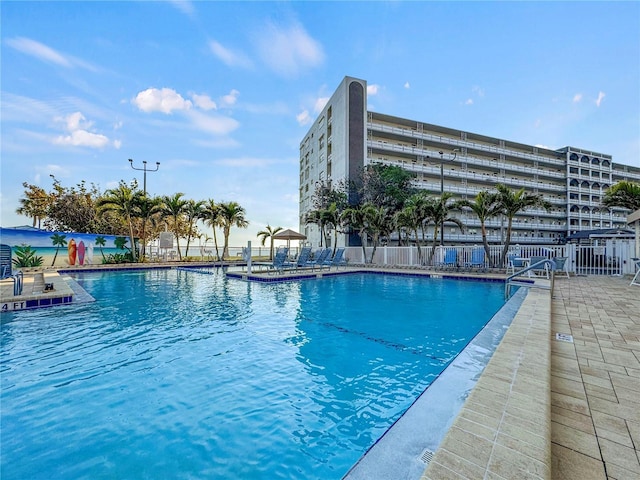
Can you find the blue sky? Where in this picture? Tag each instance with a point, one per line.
(221, 93)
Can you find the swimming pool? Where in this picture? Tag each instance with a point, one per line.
(175, 374)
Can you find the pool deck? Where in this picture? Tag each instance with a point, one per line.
(547, 406)
(551, 406)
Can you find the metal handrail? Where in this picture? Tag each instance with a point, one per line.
(535, 266)
(18, 282)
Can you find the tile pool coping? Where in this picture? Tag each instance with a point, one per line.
(504, 428)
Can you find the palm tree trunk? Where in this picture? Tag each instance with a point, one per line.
(225, 250)
(215, 242)
(144, 238)
(415, 232)
(507, 241)
(373, 251)
(364, 249)
(434, 245)
(133, 245)
(487, 252)
(178, 246)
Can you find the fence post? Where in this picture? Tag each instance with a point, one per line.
(249, 257)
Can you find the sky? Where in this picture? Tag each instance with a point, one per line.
(222, 93)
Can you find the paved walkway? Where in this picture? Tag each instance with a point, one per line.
(595, 381)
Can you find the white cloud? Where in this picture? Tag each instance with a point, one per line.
(82, 138)
(289, 51)
(185, 6)
(577, 98)
(373, 89)
(76, 121)
(478, 91)
(118, 125)
(320, 103)
(47, 54)
(79, 135)
(204, 102)
(165, 100)
(469, 101)
(601, 96)
(303, 118)
(407, 86)
(231, 98)
(117, 144)
(216, 125)
(229, 57)
(38, 50)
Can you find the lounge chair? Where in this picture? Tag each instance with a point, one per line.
(279, 260)
(515, 264)
(561, 265)
(302, 260)
(319, 258)
(450, 260)
(477, 260)
(541, 271)
(337, 260)
(636, 280)
(5, 261)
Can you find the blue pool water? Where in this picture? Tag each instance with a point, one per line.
(180, 375)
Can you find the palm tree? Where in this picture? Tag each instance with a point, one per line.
(368, 220)
(268, 232)
(211, 216)
(440, 212)
(173, 207)
(101, 242)
(121, 244)
(485, 205)
(231, 215)
(623, 194)
(354, 218)
(316, 217)
(147, 209)
(35, 204)
(511, 203)
(125, 201)
(331, 219)
(193, 210)
(414, 216)
(58, 241)
(379, 224)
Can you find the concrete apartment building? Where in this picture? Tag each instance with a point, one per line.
(346, 136)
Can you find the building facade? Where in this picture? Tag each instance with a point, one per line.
(346, 137)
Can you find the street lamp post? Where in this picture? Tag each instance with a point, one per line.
(455, 153)
(145, 170)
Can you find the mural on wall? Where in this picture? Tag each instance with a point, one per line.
(33, 247)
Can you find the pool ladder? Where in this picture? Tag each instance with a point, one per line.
(512, 281)
(18, 283)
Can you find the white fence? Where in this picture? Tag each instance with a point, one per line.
(612, 257)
